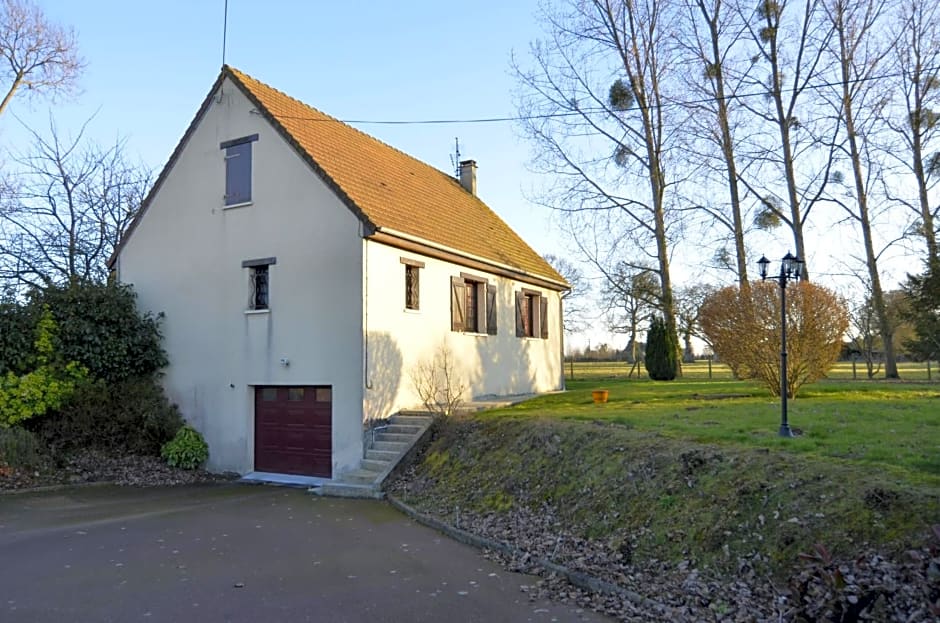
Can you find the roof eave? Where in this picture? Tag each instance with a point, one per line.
(389, 236)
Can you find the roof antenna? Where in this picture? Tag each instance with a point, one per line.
(455, 158)
(218, 100)
(224, 31)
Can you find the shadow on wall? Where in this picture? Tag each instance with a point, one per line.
(383, 376)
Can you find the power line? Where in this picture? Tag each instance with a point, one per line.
(585, 111)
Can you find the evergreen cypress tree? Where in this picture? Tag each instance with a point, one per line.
(662, 352)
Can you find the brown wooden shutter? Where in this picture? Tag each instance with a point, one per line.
(520, 323)
(491, 309)
(543, 316)
(458, 300)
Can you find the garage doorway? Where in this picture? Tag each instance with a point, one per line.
(294, 430)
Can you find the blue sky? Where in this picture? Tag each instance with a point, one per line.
(150, 64)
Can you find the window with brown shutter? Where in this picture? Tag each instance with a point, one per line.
(472, 318)
(491, 324)
(531, 314)
(473, 305)
(543, 317)
(458, 304)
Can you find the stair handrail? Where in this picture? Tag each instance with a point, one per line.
(375, 428)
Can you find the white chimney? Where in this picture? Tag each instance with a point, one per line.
(468, 176)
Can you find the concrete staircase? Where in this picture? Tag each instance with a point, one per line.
(385, 446)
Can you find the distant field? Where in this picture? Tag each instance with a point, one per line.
(890, 425)
(720, 372)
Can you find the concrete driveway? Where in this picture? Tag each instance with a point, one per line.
(242, 553)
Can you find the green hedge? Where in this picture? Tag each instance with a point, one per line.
(132, 416)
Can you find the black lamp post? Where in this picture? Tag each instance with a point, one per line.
(791, 269)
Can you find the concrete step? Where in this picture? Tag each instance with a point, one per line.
(411, 418)
(347, 490)
(400, 429)
(386, 436)
(381, 455)
(375, 465)
(390, 446)
(359, 477)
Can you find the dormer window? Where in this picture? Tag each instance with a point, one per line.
(238, 170)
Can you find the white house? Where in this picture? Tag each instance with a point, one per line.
(304, 269)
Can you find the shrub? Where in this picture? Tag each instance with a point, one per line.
(101, 329)
(662, 352)
(187, 449)
(17, 331)
(439, 381)
(128, 417)
(44, 388)
(744, 330)
(20, 449)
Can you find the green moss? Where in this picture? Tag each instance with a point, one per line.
(676, 498)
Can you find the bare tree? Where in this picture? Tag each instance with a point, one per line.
(689, 300)
(38, 54)
(631, 297)
(596, 109)
(440, 381)
(711, 42)
(573, 299)
(857, 52)
(915, 121)
(66, 209)
(789, 37)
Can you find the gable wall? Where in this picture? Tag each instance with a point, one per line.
(185, 260)
(399, 340)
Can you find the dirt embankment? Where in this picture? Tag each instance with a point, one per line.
(704, 532)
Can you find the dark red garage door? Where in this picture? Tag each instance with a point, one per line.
(293, 430)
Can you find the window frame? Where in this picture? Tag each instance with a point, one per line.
(239, 171)
(255, 268)
(412, 284)
(472, 290)
(531, 314)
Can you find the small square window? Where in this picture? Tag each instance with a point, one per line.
(259, 282)
(324, 394)
(269, 394)
(295, 394)
(412, 292)
(259, 287)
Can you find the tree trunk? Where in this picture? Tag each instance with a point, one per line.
(783, 124)
(926, 215)
(861, 192)
(17, 81)
(727, 147)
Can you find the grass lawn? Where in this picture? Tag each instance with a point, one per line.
(891, 425)
(695, 467)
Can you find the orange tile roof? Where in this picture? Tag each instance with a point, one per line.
(390, 189)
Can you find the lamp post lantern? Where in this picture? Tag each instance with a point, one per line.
(791, 269)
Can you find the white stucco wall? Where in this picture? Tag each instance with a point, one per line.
(185, 260)
(399, 339)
